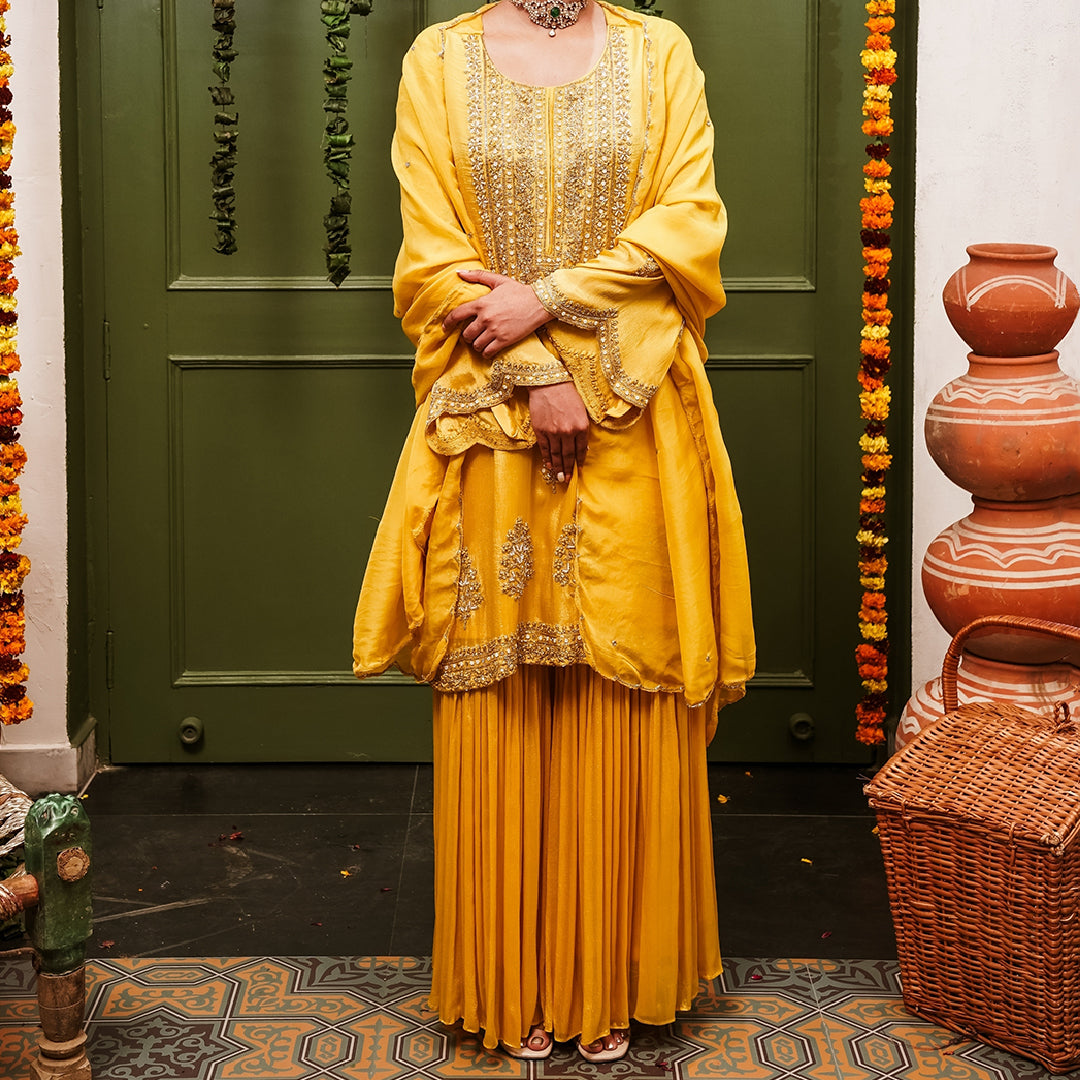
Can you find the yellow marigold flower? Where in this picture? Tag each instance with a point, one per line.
(875, 333)
(878, 127)
(876, 186)
(6, 70)
(876, 109)
(9, 332)
(876, 492)
(878, 58)
(8, 303)
(874, 631)
(877, 92)
(872, 582)
(874, 444)
(875, 686)
(875, 406)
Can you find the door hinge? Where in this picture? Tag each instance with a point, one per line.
(110, 660)
(106, 351)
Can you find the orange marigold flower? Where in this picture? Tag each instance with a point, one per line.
(16, 713)
(884, 126)
(876, 270)
(877, 204)
(877, 461)
(877, 221)
(877, 565)
(882, 76)
(877, 109)
(880, 24)
(876, 301)
(875, 600)
(881, 255)
(877, 168)
(881, 7)
(872, 506)
(879, 42)
(877, 318)
(876, 350)
(12, 455)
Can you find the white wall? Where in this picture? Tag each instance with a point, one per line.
(36, 753)
(997, 161)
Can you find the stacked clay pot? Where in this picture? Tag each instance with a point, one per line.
(1008, 431)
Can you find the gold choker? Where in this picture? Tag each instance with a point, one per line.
(552, 15)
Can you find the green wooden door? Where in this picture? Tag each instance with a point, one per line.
(254, 414)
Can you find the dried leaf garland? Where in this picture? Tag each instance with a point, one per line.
(879, 60)
(337, 141)
(223, 163)
(15, 706)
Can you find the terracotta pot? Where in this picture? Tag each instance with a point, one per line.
(1009, 429)
(1037, 687)
(1008, 559)
(1011, 300)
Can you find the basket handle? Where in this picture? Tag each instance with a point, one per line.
(1011, 622)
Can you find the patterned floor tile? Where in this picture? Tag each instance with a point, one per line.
(347, 1018)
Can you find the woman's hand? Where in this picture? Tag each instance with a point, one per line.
(562, 427)
(507, 315)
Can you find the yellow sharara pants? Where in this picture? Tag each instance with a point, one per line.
(574, 882)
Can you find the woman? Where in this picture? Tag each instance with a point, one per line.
(561, 554)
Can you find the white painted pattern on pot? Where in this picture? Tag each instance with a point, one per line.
(1056, 292)
(1038, 688)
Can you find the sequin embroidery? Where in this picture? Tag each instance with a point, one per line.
(516, 564)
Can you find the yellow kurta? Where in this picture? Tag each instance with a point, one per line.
(600, 193)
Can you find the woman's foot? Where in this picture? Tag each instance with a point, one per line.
(610, 1048)
(538, 1044)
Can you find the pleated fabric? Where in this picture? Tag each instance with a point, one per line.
(574, 881)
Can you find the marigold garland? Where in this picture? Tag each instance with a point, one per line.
(15, 706)
(337, 141)
(879, 60)
(223, 163)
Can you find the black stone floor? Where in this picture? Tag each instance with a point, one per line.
(281, 860)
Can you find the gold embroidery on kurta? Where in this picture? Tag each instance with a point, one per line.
(549, 166)
(565, 555)
(470, 591)
(532, 643)
(516, 564)
(605, 324)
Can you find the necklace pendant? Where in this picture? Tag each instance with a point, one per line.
(551, 33)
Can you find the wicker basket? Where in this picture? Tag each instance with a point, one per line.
(979, 820)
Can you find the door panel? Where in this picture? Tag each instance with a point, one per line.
(255, 414)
